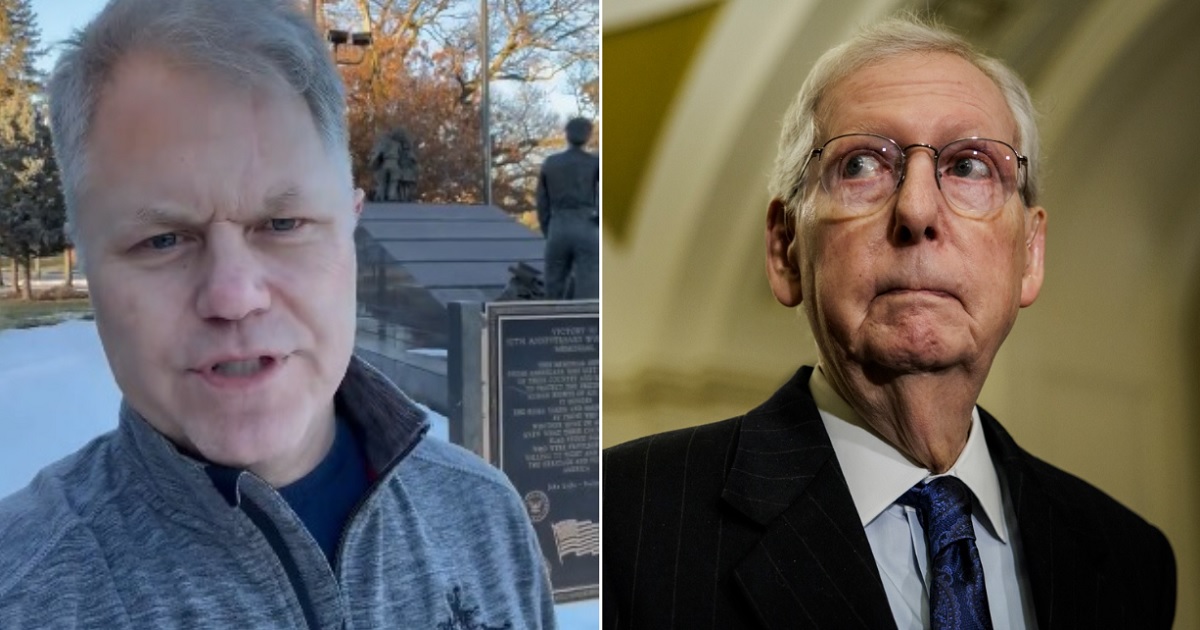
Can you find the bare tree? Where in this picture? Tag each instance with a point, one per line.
(423, 70)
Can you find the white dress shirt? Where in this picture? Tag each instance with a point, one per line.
(878, 474)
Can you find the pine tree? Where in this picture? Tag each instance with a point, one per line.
(32, 212)
(31, 221)
(19, 78)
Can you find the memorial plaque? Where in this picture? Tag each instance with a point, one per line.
(545, 429)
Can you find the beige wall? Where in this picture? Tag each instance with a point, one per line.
(1101, 376)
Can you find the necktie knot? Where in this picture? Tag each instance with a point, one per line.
(944, 509)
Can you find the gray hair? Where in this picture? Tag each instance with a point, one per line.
(244, 41)
(888, 39)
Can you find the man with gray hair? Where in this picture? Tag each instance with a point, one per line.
(871, 491)
(261, 476)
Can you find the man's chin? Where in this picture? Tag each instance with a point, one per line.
(896, 359)
(913, 345)
(247, 450)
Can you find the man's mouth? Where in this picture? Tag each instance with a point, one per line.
(914, 291)
(242, 368)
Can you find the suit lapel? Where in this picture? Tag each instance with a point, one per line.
(1062, 560)
(813, 565)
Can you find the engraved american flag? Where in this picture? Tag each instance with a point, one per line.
(581, 538)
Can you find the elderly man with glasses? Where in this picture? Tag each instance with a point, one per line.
(870, 490)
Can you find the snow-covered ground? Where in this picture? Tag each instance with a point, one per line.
(56, 394)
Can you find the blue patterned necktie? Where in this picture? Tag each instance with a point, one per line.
(957, 597)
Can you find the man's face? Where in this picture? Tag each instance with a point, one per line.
(218, 236)
(914, 286)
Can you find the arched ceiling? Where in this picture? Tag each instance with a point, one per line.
(638, 107)
(624, 15)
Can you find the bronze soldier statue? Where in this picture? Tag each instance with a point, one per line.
(568, 205)
(394, 163)
(406, 189)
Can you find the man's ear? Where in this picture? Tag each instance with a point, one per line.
(359, 196)
(1035, 255)
(783, 268)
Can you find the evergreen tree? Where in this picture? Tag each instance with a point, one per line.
(31, 221)
(32, 211)
(19, 78)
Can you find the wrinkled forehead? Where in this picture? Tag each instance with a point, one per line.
(939, 95)
(245, 71)
(143, 66)
(177, 134)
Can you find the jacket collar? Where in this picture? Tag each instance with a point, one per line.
(781, 446)
(813, 565)
(1057, 541)
(390, 423)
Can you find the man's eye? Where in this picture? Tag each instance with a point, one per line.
(162, 241)
(970, 168)
(861, 166)
(282, 225)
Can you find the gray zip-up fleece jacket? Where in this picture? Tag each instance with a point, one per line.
(130, 533)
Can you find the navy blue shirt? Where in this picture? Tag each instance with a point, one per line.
(324, 498)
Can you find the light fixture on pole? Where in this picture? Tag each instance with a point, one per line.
(360, 41)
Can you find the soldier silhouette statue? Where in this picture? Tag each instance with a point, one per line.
(568, 208)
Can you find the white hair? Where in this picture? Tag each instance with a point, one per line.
(248, 42)
(885, 40)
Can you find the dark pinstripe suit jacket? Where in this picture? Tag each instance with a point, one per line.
(748, 523)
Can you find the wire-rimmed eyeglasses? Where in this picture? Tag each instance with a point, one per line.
(859, 171)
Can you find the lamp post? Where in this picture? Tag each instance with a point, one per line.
(484, 106)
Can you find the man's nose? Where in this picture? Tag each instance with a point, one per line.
(918, 202)
(233, 281)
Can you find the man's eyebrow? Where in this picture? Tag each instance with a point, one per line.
(282, 201)
(157, 215)
(273, 205)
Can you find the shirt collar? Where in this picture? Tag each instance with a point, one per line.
(878, 473)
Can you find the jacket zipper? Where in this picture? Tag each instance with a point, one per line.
(275, 539)
(383, 474)
(271, 532)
